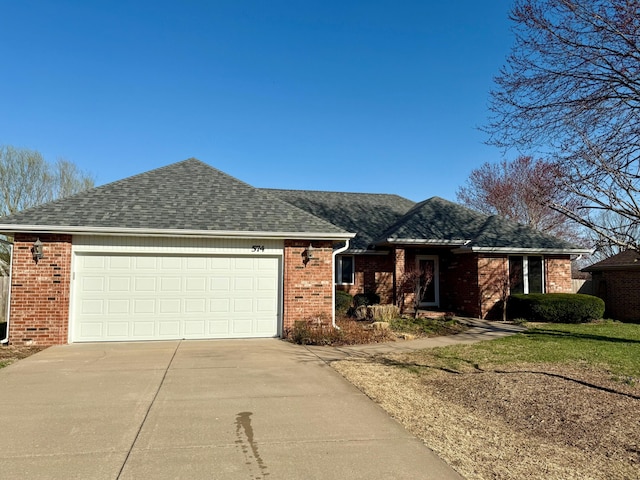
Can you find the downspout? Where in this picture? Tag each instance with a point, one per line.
(333, 279)
(8, 312)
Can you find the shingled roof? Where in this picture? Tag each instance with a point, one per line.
(368, 214)
(188, 196)
(627, 260)
(440, 222)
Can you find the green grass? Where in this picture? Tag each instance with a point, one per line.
(607, 345)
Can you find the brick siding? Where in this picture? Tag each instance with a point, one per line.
(620, 290)
(40, 291)
(558, 274)
(372, 273)
(308, 288)
(493, 282)
(459, 290)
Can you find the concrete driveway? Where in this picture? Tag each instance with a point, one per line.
(232, 409)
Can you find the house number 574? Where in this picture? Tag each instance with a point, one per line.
(257, 248)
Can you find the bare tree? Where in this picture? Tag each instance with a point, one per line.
(570, 91)
(521, 190)
(27, 180)
(414, 284)
(604, 247)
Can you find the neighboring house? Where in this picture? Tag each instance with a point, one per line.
(617, 281)
(476, 260)
(186, 251)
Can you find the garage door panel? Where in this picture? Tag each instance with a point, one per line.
(171, 263)
(145, 284)
(169, 329)
(117, 329)
(143, 329)
(195, 284)
(118, 307)
(169, 306)
(146, 263)
(92, 307)
(144, 306)
(170, 284)
(92, 284)
(119, 263)
(146, 297)
(119, 284)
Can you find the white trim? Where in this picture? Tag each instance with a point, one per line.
(524, 251)
(424, 241)
(333, 276)
(436, 278)
(8, 313)
(144, 232)
(187, 247)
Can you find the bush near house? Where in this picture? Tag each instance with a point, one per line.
(366, 299)
(555, 307)
(343, 302)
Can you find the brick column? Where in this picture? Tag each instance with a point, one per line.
(40, 292)
(398, 272)
(308, 286)
(558, 274)
(493, 286)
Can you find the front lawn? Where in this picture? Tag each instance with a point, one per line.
(555, 402)
(606, 345)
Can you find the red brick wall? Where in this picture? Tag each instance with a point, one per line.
(459, 290)
(493, 283)
(620, 291)
(308, 288)
(373, 273)
(40, 291)
(558, 274)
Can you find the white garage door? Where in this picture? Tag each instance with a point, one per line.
(150, 297)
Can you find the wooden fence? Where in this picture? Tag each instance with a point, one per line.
(581, 286)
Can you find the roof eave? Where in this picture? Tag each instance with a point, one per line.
(160, 232)
(630, 266)
(423, 241)
(548, 251)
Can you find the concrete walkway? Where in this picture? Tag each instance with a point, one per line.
(243, 409)
(479, 331)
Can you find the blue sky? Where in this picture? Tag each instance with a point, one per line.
(376, 96)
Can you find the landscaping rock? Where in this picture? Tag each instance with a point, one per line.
(380, 325)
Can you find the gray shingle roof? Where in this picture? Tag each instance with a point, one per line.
(439, 220)
(188, 195)
(368, 214)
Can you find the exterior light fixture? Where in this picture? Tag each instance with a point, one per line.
(37, 250)
(307, 254)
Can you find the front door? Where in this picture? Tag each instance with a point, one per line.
(427, 265)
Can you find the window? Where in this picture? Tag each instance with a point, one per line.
(344, 269)
(526, 274)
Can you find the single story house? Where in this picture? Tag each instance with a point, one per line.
(476, 260)
(617, 281)
(187, 251)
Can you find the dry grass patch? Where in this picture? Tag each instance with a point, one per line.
(491, 418)
(12, 353)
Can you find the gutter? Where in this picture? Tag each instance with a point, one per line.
(559, 251)
(333, 276)
(8, 313)
(426, 241)
(167, 232)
